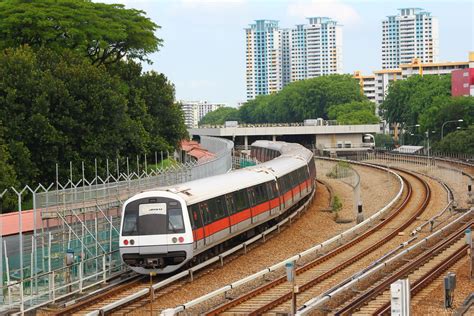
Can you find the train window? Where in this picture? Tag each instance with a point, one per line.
(195, 216)
(300, 175)
(175, 221)
(260, 193)
(294, 178)
(230, 204)
(251, 195)
(130, 221)
(270, 192)
(217, 208)
(282, 185)
(241, 200)
(274, 188)
(206, 216)
(288, 182)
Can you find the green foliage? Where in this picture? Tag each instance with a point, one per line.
(58, 107)
(312, 98)
(457, 142)
(302, 100)
(383, 141)
(104, 32)
(356, 112)
(336, 206)
(7, 174)
(406, 99)
(219, 116)
(445, 109)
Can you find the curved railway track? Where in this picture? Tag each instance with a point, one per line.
(139, 284)
(319, 274)
(421, 271)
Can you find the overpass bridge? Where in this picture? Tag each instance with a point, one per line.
(325, 137)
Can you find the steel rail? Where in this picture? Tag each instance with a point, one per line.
(368, 295)
(314, 249)
(348, 262)
(429, 277)
(166, 282)
(331, 254)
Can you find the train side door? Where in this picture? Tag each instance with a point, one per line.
(231, 211)
(252, 200)
(196, 224)
(206, 220)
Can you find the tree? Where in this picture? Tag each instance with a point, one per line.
(457, 142)
(57, 107)
(406, 99)
(302, 100)
(219, 116)
(445, 109)
(7, 175)
(105, 33)
(356, 112)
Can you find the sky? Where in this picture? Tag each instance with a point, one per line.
(203, 51)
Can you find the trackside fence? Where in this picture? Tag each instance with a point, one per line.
(70, 241)
(311, 252)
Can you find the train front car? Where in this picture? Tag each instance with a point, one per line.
(155, 233)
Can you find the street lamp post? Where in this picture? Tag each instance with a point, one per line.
(442, 126)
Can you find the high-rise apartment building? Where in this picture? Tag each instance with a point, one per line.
(323, 47)
(413, 33)
(276, 57)
(263, 58)
(194, 111)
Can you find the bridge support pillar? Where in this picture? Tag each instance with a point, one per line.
(274, 138)
(246, 142)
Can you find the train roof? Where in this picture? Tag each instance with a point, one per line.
(290, 149)
(206, 188)
(293, 156)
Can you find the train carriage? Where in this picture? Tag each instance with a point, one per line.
(164, 229)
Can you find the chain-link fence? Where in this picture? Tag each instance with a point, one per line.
(64, 236)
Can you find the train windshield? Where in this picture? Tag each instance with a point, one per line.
(163, 216)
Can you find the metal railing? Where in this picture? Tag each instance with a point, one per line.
(317, 302)
(295, 124)
(81, 218)
(311, 251)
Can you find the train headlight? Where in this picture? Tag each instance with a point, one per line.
(132, 242)
(125, 242)
(174, 239)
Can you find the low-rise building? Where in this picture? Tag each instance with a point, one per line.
(194, 111)
(383, 78)
(462, 82)
(367, 85)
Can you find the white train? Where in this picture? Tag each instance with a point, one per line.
(164, 229)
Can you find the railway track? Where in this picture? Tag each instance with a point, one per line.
(341, 262)
(141, 284)
(421, 271)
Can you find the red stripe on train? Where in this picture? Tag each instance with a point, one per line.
(236, 218)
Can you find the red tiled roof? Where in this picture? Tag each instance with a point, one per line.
(194, 149)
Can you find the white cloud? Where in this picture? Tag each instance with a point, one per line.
(343, 13)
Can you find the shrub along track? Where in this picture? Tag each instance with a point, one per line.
(319, 275)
